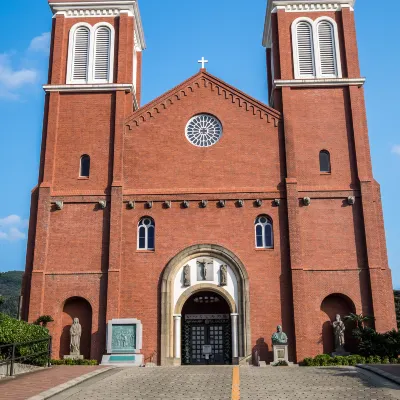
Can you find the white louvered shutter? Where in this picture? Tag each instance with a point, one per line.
(305, 53)
(326, 49)
(102, 55)
(81, 55)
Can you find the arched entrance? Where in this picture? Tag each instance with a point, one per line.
(206, 330)
(76, 307)
(195, 271)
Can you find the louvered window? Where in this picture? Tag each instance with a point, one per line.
(305, 52)
(80, 61)
(102, 50)
(326, 49)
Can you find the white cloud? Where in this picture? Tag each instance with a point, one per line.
(396, 149)
(40, 43)
(14, 78)
(12, 228)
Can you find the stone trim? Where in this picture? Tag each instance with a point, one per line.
(90, 87)
(319, 82)
(167, 290)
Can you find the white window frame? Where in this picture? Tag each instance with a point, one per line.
(269, 222)
(315, 49)
(146, 238)
(91, 52)
(335, 44)
(295, 47)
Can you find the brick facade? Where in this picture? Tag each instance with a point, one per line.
(86, 257)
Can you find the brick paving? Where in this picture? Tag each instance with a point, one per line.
(31, 384)
(203, 383)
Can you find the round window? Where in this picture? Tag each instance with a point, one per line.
(203, 130)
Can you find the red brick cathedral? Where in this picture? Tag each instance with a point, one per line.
(206, 214)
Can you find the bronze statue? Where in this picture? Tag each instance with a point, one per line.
(279, 337)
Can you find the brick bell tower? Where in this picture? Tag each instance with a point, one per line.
(94, 83)
(336, 231)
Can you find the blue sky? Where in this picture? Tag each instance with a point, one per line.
(178, 33)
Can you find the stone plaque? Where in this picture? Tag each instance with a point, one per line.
(123, 339)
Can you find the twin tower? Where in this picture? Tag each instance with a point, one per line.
(206, 205)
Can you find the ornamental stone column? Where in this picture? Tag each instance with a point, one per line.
(177, 335)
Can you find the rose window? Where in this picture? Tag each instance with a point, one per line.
(203, 130)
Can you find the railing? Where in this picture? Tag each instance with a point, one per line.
(11, 354)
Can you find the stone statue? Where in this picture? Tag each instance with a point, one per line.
(186, 275)
(279, 337)
(338, 331)
(224, 275)
(75, 332)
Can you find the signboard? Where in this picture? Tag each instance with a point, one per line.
(206, 316)
(207, 349)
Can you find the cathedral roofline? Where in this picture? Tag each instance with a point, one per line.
(179, 91)
(100, 8)
(300, 6)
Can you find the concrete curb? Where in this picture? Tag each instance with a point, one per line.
(67, 385)
(379, 372)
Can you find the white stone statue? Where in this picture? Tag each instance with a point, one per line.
(338, 330)
(75, 333)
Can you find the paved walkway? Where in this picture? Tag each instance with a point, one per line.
(27, 385)
(221, 383)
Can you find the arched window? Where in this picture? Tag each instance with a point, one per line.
(80, 55)
(102, 56)
(304, 50)
(326, 49)
(91, 53)
(316, 48)
(84, 170)
(264, 232)
(146, 234)
(324, 161)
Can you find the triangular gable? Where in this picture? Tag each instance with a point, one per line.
(203, 79)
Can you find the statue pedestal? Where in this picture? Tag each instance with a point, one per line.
(280, 353)
(340, 351)
(73, 357)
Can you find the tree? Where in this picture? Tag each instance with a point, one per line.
(358, 319)
(43, 320)
(1, 299)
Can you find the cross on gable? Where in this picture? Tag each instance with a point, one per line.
(203, 61)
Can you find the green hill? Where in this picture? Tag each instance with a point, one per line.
(10, 288)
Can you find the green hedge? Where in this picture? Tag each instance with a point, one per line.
(74, 362)
(14, 331)
(325, 360)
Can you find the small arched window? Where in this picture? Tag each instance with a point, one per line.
(84, 170)
(324, 161)
(264, 232)
(146, 234)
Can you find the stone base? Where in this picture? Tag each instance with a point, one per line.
(280, 353)
(123, 360)
(73, 357)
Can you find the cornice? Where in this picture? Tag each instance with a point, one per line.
(278, 83)
(204, 79)
(100, 87)
(300, 6)
(110, 8)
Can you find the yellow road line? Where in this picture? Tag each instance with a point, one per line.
(236, 383)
